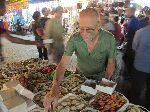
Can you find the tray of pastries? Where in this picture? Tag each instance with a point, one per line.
(109, 103)
(86, 96)
(39, 98)
(70, 103)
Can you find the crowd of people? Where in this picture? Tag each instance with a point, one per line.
(95, 45)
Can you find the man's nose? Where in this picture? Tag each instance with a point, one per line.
(84, 31)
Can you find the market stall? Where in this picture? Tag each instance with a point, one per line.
(77, 93)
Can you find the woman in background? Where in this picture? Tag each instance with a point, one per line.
(38, 33)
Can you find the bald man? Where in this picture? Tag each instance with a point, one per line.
(92, 46)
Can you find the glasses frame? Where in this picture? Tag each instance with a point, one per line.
(88, 29)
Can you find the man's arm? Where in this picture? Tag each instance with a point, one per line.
(111, 59)
(18, 40)
(110, 68)
(59, 75)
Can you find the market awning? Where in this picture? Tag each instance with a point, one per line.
(17, 4)
(15, 1)
(37, 1)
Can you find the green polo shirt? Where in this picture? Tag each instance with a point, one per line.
(94, 62)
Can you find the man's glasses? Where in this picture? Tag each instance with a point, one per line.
(88, 30)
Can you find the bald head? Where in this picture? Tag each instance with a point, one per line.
(88, 13)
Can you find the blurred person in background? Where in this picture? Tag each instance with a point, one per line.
(38, 32)
(45, 12)
(106, 23)
(117, 33)
(145, 21)
(131, 27)
(6, 24)
(6, 34)
(99, 8)
(55, 31)
(141, 76)
(18, 26)
(42, 21)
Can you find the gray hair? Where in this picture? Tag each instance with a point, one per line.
(57, 9)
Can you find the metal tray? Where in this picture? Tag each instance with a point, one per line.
(142, 108)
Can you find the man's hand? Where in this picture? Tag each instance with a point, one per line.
(51, 98)
(50, 101)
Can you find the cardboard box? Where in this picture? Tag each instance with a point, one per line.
(12, 102)
(19, 88)
(88, 89)
(7, 94)
(89, 86)
(15, 97)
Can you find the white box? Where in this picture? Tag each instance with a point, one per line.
(88, 89)
(106, 86)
